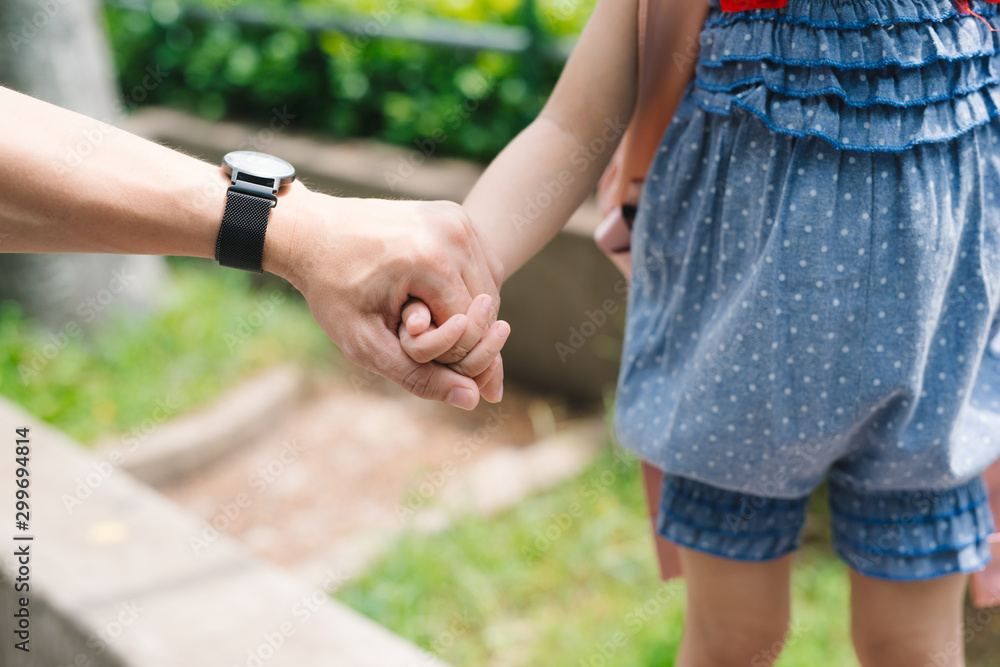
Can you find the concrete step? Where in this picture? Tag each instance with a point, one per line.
(119, 577)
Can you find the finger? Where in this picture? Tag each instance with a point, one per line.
(484, 378)
(491, 383)
(416, 316)
(444, 297)
(432, 381)
(482, 355)
(433, 343)
(479, 322)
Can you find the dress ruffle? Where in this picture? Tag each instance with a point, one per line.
(902, 73)
(937, 81)
(873, 128)
(903, 44)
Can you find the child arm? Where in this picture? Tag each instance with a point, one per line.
(536, 183)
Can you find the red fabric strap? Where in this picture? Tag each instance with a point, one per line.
(747, 5)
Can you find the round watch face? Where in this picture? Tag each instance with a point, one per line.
(259, 164)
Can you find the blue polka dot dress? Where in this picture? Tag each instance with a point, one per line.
(816, 285)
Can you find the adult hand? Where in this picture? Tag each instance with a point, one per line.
(358, 261)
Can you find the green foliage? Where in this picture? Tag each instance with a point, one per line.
(470, 102)
(533, 588)
(196, 346)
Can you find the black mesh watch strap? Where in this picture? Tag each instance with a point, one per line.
(241, 237)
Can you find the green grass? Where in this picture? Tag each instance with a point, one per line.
(539, 586)
(201, 342)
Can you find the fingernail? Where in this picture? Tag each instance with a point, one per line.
(500, 394)
(462, 398)
(503, 330)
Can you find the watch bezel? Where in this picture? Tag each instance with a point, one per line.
(232, 169)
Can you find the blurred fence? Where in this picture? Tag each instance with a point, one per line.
(388, 74)
(476, 36)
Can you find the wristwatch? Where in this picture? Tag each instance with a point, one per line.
(255, 178)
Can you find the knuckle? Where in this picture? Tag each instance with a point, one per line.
(458, 352)
(430, 255)
(499, 273)
(350, 351)
(456, 225)
(418, 354)
(362, 351)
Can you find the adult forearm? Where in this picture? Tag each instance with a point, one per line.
(75, 184)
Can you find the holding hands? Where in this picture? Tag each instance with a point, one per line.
(468, 343)
(424, 314)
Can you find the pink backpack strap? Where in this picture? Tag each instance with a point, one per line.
(985, 584)
(667, 55)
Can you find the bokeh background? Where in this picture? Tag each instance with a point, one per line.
(547, 572)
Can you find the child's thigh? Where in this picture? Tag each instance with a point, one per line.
(908, 622)
(734, 592)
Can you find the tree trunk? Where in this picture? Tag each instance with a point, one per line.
(56, 50)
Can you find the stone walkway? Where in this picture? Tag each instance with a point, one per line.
(331, 484)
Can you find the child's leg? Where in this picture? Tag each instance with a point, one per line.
(904, 623)
(737, 611)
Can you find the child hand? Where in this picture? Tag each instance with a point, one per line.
(423, 341)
